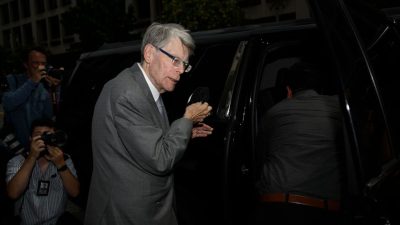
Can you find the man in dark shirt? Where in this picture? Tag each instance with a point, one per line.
(27, 98)
(299, 181)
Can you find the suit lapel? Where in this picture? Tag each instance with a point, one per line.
(138, 77)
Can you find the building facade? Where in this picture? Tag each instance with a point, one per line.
(35, 22)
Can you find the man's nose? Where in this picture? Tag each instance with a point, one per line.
(181, 69)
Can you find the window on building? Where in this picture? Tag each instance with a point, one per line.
(14, 10)
(27, 34)
(54, 26)
(5, 15)
(67, 34)
(16, 37)
(40, 6)
(26, 8)
(52, 4)
(41, 31)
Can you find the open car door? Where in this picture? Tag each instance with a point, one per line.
(366, 47)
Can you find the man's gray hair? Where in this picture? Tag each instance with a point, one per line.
(159, 35)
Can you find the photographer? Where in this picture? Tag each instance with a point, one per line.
(41, 180)
(26, 97)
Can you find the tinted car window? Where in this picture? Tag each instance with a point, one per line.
(351, 35)
(383, 55)
(379, 40)
(365, 45)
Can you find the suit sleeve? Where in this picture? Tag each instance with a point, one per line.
(147, 144)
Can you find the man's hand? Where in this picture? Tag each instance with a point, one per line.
(71, 183)
(197, 112)
(53, 82)
(56, 155)
(38, 73)
(37, 146)
(201, 130)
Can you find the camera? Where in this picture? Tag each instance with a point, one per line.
(54, 72)
(58, 138)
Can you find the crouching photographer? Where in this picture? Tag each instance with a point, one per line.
(41, 181)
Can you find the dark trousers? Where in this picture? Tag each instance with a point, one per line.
(294, 214)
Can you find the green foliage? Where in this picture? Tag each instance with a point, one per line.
(98, 22)
(201, 14)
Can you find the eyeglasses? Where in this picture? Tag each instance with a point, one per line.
(176, 61)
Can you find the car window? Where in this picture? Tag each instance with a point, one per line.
(376, 104)
(224, 107)
(359, 43)
(383, 56)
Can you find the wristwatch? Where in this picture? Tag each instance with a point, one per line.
(63, 168)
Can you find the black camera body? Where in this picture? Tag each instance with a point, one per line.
(58, 138)
(55, 72)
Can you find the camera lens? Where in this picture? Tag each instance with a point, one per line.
(58, 138)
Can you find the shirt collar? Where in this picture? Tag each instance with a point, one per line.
(153, 89)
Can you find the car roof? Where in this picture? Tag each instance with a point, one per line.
(208, 36)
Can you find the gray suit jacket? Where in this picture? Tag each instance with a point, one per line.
(134, 153)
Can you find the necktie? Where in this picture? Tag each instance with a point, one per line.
(161, 109)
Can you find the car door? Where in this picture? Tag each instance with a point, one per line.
(359, 55)
(365, 45)
(198, 175)
(249, 92)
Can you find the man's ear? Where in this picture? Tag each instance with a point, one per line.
(289, 92)
(148, 53)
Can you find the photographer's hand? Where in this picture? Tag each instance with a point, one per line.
(18, 184)
(37, 146)
(56, 155)
(38, 73)
(71, 183)
(53, 82)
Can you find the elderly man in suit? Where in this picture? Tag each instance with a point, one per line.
(134, 146)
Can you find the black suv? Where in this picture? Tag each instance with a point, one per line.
(359, 49)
